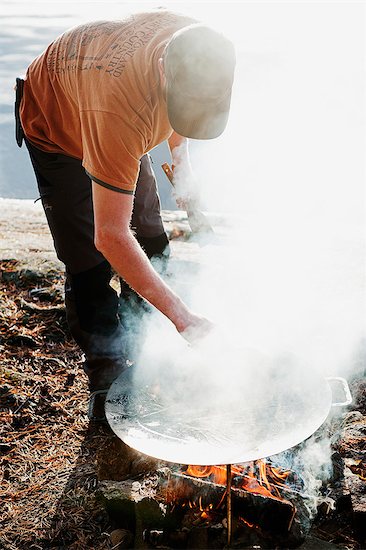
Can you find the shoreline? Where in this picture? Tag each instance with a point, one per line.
(25, 236)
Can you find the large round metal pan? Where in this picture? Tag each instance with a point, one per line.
(259, 409)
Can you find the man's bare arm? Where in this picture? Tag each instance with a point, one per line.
(114, 239)
(185, 190)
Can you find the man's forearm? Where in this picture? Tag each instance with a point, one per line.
(183, 181)
(128, 259)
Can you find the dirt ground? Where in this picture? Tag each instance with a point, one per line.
(47, 447)
(48, 450)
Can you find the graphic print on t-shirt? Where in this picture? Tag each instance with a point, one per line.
(76, 50)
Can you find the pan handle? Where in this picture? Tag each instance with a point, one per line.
(345, 386)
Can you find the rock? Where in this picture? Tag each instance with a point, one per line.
(116, 461)
(150, 487)
(354, 474)
(135, 503)
(313, 543)
(351, 439)
(352, 448)
(121, 538)
(358, 390)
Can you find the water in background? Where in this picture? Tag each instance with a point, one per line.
(298, 113)
(26, 30)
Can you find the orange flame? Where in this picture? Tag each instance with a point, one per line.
(199, 471)
(251, 525)
(217, 473)
(256, 477)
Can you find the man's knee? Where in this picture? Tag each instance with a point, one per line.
(94, 300)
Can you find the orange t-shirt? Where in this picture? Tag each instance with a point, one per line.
(95, 95)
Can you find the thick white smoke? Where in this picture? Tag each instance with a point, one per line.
(288, 271)
(286, 274)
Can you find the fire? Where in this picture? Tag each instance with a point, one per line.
(216, 473)
(257, 477)
(203, 512)
(248, 524)
(199, 471)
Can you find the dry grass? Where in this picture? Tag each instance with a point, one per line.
(47, 449)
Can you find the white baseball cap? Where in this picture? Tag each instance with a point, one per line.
(199, 65)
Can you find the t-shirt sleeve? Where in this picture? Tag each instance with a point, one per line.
(112, 150)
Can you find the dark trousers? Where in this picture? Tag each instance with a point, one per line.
(104, 324)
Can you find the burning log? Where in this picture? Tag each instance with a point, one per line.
(251, 509)
(168, 505)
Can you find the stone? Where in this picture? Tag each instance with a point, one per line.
(355, 482)
(121, 538)
(313, 543)
(116, 461)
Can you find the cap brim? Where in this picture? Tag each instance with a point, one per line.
(197, 118)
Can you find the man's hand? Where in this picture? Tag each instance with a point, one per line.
(198, 329)
(182, 193)
(181, 174)
(186, 190)
(186, 197)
